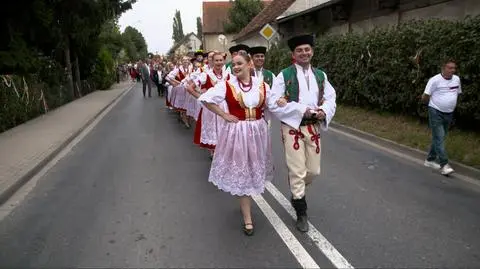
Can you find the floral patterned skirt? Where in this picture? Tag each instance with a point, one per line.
(242, 162)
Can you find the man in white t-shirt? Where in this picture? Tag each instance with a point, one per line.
(441, 93)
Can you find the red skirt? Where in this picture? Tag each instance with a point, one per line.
(198, 129)
(167, 103)
(198, 132)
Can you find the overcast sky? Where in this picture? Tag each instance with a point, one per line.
(154, 19)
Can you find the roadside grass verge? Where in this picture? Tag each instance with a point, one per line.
(462, 146)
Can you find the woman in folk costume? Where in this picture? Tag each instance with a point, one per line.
(208, 123)
(177, 79)
(209, 64)
(242, 162)
(170, 67)
(234, 51)
(191, 101)
(171, 78)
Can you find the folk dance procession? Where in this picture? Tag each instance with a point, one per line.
(230, 105)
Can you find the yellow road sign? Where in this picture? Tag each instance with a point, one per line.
(267, 31)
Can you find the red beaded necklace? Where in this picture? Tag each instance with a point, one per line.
(217, 75)
(249, 85)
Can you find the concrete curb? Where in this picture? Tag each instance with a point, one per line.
(460, 169)
(10, 191)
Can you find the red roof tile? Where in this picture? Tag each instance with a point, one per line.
(214, 16)
(267, 15)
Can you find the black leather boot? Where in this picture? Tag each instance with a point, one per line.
(300, 206)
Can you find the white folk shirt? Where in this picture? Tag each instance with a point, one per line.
(258, 73)
(216, 95)
(443, 92)
(307, 98)
(202, 78)
(175, 72)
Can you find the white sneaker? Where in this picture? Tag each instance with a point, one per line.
(446, 170)
(432, 164)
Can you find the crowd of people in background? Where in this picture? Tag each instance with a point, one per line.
(151, 72)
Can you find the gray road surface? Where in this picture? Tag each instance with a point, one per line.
(134, 193)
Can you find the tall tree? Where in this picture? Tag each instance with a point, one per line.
(241, 13)
(57, 44)
(199, 28)
(177, 27)
(77, 24)
(135, 45)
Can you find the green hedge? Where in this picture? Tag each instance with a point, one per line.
(387, 69)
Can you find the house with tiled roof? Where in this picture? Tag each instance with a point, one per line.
(360, 16)
(312, 16)
(214, 16)
(250, 34)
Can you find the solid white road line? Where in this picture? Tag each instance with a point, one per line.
(20, 195)
(320, 241)
(302, 256)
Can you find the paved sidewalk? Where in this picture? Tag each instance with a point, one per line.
(25, 148)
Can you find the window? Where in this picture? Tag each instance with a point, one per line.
(388, 4)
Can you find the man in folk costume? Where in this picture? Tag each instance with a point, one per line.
(307, 90)
(242, 47)
(258, 57)
(233, 52)
(196, 65)
(205, 60)
(258, 60)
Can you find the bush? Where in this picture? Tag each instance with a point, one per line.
(387, 69)
(104, 70)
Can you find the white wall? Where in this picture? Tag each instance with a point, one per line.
(212, 43)
(195, 42)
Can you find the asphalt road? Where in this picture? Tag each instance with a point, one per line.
(134, 193)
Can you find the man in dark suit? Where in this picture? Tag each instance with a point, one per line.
(146, 80)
